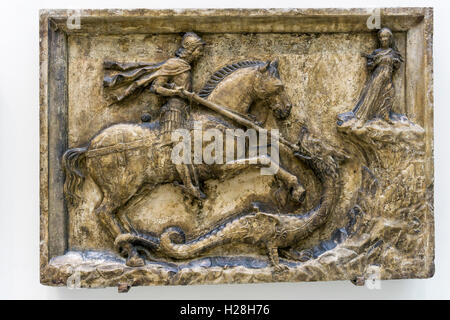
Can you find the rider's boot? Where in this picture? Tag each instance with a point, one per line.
(188, 186)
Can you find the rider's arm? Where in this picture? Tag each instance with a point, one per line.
(159, 87)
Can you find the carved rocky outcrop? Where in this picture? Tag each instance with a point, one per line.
(393, 199)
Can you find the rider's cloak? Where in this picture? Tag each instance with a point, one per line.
(124, 79)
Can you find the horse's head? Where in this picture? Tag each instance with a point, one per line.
(268, 86)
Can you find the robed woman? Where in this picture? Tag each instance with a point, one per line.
(377, 97)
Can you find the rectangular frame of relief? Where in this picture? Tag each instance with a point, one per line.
(416, 23)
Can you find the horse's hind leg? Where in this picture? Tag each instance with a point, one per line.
(108, 220)
(106, 212)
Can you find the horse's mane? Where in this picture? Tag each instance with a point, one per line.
(221, 74)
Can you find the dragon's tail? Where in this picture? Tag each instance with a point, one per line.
(174, 245)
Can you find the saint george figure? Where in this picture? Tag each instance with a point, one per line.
(168, 79)
(377, 98)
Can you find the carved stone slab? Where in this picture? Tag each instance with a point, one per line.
(340, 187)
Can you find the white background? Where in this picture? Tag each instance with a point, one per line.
(19, 164)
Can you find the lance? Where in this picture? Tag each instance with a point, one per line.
(239, 119)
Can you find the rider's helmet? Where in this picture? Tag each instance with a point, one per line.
(189, 43)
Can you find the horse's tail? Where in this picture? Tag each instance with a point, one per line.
(73, 163)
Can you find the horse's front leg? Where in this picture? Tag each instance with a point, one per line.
(292, 183)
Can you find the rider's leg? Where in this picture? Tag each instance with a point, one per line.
(188, 186)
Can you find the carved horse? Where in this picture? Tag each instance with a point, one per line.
(124, 158)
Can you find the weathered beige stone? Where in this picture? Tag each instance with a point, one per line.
(381, 214)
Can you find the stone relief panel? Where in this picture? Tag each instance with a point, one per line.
(210, 157)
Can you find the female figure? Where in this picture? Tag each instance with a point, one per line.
(377, 98)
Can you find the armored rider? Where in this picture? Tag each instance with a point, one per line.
(168, 79)
(175, 112)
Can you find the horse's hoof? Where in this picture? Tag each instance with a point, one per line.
(298, 194)
(135, 261)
